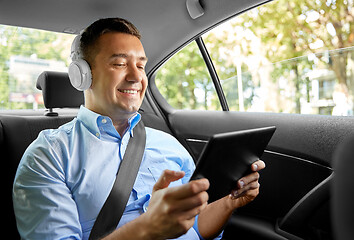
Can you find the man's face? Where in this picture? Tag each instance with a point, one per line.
(118, 75)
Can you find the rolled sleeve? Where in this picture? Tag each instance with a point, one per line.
(195, 226)
(43, 203)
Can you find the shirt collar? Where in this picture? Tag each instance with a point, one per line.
(133, 121)
(93, 121)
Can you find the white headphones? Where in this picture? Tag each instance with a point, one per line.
(79, 70)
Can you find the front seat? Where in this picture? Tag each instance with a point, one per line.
(343, 191)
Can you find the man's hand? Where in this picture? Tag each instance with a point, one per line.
(172, 211)
(248, 187)
(212, 220)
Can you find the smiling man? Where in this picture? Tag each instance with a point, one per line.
(66, 174)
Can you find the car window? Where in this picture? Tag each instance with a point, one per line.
(287, 56)
(24, 54)
(185, 82)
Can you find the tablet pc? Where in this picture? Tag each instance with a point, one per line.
(228, 156)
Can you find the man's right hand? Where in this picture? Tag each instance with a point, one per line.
(171, 212)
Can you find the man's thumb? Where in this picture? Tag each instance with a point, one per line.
(166, 178)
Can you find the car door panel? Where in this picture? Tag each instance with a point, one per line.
(310, 137)
(298, 160)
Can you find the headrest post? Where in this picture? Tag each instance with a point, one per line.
(50, 113)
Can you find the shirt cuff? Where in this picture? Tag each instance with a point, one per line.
(195, 226)
(147, 201)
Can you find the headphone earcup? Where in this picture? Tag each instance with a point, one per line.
(80, 74)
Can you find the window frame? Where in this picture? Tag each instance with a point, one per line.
(213, 74)
(161, 100)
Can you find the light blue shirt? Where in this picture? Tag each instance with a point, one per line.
(66, 175)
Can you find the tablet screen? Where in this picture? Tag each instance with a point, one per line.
(228, 156)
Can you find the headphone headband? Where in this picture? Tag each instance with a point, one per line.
(75, 48)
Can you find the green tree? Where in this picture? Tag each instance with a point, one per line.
(183, 75)
(289, 29)
(278, 31)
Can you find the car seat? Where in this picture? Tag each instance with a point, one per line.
(343, 190)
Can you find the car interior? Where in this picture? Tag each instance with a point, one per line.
(296, 198)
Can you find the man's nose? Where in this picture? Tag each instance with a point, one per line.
(134, 74)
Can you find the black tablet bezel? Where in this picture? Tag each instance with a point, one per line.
(228, 156)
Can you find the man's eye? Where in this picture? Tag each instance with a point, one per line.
(119, 64)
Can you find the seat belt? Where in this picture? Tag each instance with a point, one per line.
(113, 208)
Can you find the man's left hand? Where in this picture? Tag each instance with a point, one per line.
(247, 187)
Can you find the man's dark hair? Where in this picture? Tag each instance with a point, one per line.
(88, 42)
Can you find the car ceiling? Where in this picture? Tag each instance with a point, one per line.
(164, 24)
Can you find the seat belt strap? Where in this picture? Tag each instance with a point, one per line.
(113, 208)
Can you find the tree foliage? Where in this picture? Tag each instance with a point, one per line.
(290, 29)
(313, 34)
(182, 76)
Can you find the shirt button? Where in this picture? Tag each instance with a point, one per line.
(97, 134)
(104, 120)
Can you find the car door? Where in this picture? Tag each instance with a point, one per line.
(298, 96)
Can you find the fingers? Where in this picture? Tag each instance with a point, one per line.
(188, 199)
(188, 208)
(192, 198)
(248, 179)
(166, 178)
(249, 184)
(249, 189)
(197, 202)
(190, 189)
(192, 213)
(258, 165)
(172, 210)
(244, 183)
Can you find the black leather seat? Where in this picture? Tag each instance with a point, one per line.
(343, 191)
(17, 132)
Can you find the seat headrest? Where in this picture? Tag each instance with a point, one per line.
(57, 90)
(342, 190)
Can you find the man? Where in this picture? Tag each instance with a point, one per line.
(66, 174)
